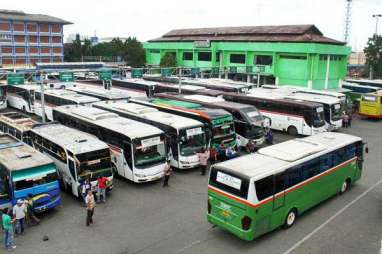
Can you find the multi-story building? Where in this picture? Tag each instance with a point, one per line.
(297, 55)
(29, 38)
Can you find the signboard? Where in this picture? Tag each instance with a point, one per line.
(202, 44)
(194, 131)
(66, 76)
(233, 69)
(228, 180)
(15, 79)
(166, 72)
(136, 73)
(151, 142)
(249, 69)
(105, 75)
(195, 71)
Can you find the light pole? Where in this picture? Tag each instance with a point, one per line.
(376, 16)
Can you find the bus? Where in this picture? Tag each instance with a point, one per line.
(186, 89)
(185, 136)
(25, 171)
(3, 96)
(135, 84)
(249, 122)
(292, 116)
(99, 92)
(257, 193)
(224, 85)
(18, 125)
(28, 99)
(357, 90)
(371, 105)
(77, 155)
(218, 122)
(138, 150)
(366, 82)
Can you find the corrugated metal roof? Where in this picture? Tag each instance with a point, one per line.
(22, 16)
(289, 33)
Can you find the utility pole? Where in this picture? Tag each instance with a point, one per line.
(347, 22)
(376, 16)
(41, 80)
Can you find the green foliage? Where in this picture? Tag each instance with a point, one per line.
(168, 60)
(131, 51)
(373, 52)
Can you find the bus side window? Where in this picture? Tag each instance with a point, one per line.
(128, 154)
(350, 151)
(264, 187)
(310, 168)
(280, 182)
(339, 156)
(294, 176)
(174, 147)
(326, 162)
(71, 168)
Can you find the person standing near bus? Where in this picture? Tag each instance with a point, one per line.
(269, 136)
(167, 173)
(238, 143)
(102, 184)
(85, 187)
(8, 230)
(90, 205)
(19, 213)
(31, 217)
(203, 158)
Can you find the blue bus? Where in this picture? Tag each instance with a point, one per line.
(25, 171)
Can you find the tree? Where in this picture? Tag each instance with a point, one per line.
(168, 60)
(373, 52)
(135, 53)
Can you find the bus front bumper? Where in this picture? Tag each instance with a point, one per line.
(141, 178)
(242, 234)
(49, 205)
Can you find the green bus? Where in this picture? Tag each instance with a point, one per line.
(219, 123)
(257, 193)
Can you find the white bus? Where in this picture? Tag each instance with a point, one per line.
(77, 155)
(99, 92)
(138, 150)
(185, 136)
(17, 125)
(28, 99)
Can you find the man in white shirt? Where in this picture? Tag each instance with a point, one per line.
(19, 214)
(90, 204)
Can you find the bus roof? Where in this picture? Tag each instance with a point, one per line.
(15, 155)
(105, 119)
(28, 86)
(296, 89)
(18, 120)
(70, 95)
(72, 139)
(276, 158)
(99, 92)
(137, 81)
(175, 121)
(347, 84)
(314, 98)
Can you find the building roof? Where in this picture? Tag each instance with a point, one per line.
(22, 16)
(287, 33)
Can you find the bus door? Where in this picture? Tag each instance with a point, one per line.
(5, 190)
(128, 162)
(31, 100)
(278, 200)
(73, 175)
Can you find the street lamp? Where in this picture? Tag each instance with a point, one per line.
(376, 16)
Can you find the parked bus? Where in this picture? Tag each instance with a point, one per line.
(99, 92)
(218, 122)
(371, 105)
(135, 84)
(186, 89)
(138, 149)
(17, 125)
(185, 136)
(25, 171)
(224, 85)
(3, 96)
(77, 155)
(249, 122)
(257, 193)
(28, 99)
(367, 82)
(293, 116)
(357, 90)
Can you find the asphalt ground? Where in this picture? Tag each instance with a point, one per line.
(147, 218)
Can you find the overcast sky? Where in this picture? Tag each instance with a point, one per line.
(147, 19)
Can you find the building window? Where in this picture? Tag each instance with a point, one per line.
(204, 56)
(293, 57)
(154, 51)
(263, 60)
(217, 57)
(188, 56)
(237, 58)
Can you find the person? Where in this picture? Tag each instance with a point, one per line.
(31, 216)
(269, 137)
(230, 153)
(85, 187)
(221, 152)
(350, 118)
(19, 214)
(251, 146)
(102, 184)
(213, 154)
(7, 226)
(345, 119)
(167, 173)
(238, 143)
(203, 158)
(89, 200)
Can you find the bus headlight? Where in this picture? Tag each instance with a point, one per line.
(140, 175)
(184, 162)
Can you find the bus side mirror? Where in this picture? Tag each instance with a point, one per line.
(366, 149)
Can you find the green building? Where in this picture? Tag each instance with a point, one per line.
(296, 55)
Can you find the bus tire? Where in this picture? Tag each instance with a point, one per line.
(345, 186)
(290, 219)
(114, 170)
(24, 110)
(292, 131)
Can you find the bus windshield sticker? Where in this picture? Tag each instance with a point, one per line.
(369, 98)
(253, 114)
(337, 106)
(150, 142)
(94, 162)
(320, 109)
(194, 131)
(228, 180)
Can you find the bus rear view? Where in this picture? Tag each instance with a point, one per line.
(25, 172)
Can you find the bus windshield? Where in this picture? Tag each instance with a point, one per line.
(223, 130)
(336, 112)
(33, 177)
(253, 115)
(94, 163)
(229, 182)
(191, 141)
(318, 117)
(149, 151)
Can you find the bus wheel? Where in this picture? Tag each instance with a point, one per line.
(114, 170)
(345, 186)
(24, 110)
(292, 131)
(290, 218)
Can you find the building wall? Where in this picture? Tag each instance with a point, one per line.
(320, 66)
(24, 43)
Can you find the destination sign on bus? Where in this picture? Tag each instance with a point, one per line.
(150, 142)
(320, 109)
(228, 180)
(194, 131)
(337, 106)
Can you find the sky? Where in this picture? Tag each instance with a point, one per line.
(148, 19)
